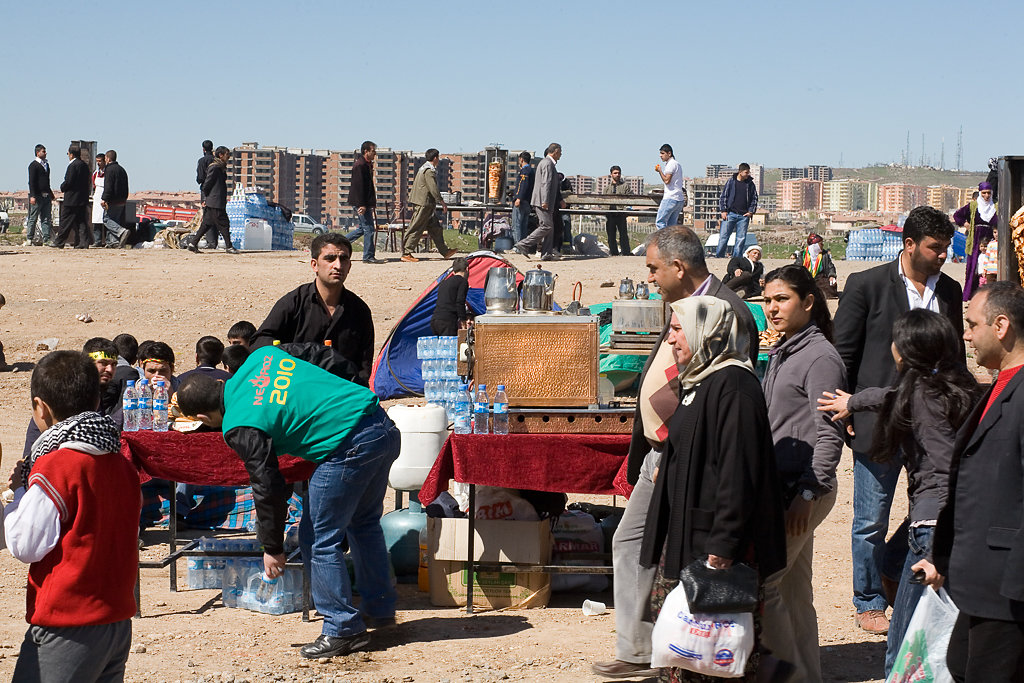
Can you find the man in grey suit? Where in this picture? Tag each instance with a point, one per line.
(545, 195)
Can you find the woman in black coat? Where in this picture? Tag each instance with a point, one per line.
(716, 495)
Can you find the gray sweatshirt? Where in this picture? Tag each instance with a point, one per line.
(808, 444)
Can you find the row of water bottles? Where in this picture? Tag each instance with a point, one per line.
(246, 586)
(144, 408)
(475, 415)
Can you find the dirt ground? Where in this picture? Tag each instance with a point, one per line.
(177, 297)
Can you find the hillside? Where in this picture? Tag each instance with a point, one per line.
(915, 176)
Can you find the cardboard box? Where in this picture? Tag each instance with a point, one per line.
(496, 541)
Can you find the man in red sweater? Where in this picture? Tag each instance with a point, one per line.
(75, 519)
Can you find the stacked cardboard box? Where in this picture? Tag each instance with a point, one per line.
(495, 541)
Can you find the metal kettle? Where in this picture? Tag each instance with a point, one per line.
(642, 291)
(500, 295)
(539, 291)
(626, 288)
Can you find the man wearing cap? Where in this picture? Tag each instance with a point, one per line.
(818, 262)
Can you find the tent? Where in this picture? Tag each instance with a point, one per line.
(396, 372)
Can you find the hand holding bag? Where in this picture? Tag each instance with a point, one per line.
(709, 590)
(922, 655)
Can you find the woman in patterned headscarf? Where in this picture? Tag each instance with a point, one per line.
(716, 494)
(981, 218)
(818, 262)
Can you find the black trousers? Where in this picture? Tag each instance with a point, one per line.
(215, 220)
(445, 327)
(986, 650)
(74, 218)
(616, 226)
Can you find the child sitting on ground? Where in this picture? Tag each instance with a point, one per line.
(241, 333)
(233, 357)
(76, 522)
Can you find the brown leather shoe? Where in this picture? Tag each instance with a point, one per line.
(451, 253)
(409, 258)
(873, 621)
(616, 668)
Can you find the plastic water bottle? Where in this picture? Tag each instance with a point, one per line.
(160, 400)
(145, 405)
(463, 418)
(130, 408)
(500, 411)
(481, 414)
(265, 589)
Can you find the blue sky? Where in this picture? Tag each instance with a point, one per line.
(780, 83)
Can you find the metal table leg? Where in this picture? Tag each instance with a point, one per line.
(470, 563)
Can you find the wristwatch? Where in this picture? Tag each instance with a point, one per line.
(808, 495)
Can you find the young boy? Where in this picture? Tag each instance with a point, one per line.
(76, 523)
(233, 357)
(241, 333)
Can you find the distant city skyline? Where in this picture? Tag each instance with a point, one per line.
(158, 79)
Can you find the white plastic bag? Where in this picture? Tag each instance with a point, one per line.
(493, 502)
(712, 644)
(922, 655)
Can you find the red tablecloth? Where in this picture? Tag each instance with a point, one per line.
(563, 463)
(200, 458)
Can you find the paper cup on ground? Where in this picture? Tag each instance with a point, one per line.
(591, 608)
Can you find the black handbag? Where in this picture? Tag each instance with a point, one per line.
(719, 591)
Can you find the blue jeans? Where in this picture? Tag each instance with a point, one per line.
(521, 220)
(919, 546)
(365, 228)
(668, 213)
(739, 223)
(346, 499)
(874, 485)
(42, 212)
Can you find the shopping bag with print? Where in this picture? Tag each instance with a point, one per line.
(922, 655)
(711, 644)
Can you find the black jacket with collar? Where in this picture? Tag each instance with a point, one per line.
(979, 538)
(215, 186)
(361, 191)
(870, 304)
(639, 447)
(115, 184)
(39, 181)
(77, 185)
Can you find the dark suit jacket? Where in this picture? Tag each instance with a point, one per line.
(718, 491)
(77, 184)
(215, 186)
(979, 538)
(38, 181)
(115, 184)
(639, 447)
(871, 302)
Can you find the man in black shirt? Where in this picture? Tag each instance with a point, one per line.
(215, 201)
(450, 311)
(40, 198)
(324, 310)
(74, 209)
(201, 166)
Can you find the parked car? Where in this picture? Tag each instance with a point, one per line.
(711, 245)
(304, 223)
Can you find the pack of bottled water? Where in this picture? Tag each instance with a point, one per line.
(246, 586)
(439, 369)
(207, 571)
(249, 204)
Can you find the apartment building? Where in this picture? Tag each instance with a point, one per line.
(582, 184)
(726, 171)
(849, 195)
(900, 197)
(272, 169)
(813, 172)
(704, 194)
(798, 194)
(945, 198)
(634, 182)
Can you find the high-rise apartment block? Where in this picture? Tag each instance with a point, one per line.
(815, 172)
(582, 184)
(900, 197)
(945, 198)
(849, 195)
(634, 182)
(704, 194)
(798, 194)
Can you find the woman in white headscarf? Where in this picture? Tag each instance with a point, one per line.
(981, 220)
(716, 493)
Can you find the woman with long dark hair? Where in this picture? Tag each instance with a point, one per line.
(807, 450)
(918, 419)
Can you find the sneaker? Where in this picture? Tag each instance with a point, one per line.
(409, 258)
(616, 668)
(27, 243)
(519, 250)
(551, 256)
(123, 240)
(335, 646)
(451, 253)
(230, 250)
(873, 621)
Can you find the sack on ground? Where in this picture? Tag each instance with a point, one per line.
(922, 655)
(712, 644)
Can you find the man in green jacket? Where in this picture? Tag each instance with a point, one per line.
(424, 199)
(277, 404)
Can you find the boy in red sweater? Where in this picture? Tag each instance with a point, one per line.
(76, 522)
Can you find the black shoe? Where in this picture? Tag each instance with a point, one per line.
(193, 248)
(123, 240)
(519, 250)
(377, 623)
(335, 646)
(551, 256)
(230, 250)
(55, 246)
